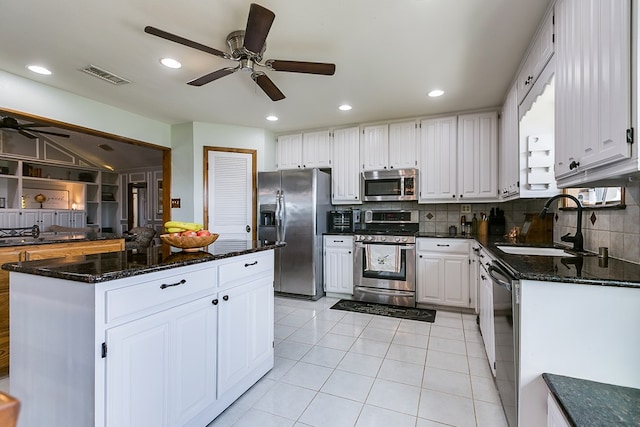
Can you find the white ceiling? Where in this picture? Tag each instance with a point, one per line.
(388, 55)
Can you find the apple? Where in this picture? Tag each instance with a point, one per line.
(189, 233)
(204, 233)
(175, 234)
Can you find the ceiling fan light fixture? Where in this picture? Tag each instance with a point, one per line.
(345, 107)
(272, 118)
(171, 63)
(39, 70)
(436, 93)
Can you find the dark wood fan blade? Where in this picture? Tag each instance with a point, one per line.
(302, 67)
(46, 132)
(212, 76)
(268, 86)
(27, 134)
(181, 40)
(33, 125)
(258, 26)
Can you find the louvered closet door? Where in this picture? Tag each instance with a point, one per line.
(230, 207)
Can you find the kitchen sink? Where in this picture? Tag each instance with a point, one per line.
(534, 250)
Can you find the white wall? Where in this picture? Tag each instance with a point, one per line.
(30, 97)
(188, 142)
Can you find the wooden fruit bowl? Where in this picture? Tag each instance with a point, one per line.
(189, 243)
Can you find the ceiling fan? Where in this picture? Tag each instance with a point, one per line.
(247, 48)
(26, 129)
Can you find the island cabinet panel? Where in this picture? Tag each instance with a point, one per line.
(132, 352)
(35, 252)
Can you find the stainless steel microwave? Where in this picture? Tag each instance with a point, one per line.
(390, 185)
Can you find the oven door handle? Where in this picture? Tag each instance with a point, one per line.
(384, 291)
(402, 248)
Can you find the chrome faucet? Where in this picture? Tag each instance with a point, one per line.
(577, 239)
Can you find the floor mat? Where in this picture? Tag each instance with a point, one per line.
(421, 314)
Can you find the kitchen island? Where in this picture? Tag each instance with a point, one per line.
(147, 338)
(34, 245)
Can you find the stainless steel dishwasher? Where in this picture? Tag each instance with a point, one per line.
(506, 312)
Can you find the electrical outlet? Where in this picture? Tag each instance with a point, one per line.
(175, 203)
(465, 209)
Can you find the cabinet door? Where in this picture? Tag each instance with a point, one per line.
(63, 218)
(316, 150)
(486, 318)
(9, 219)
(289, 151)
(78, 219)
(478, 157)
(29, 218)
(438, 159)
(593, 96)
(338, 264)
(161, 368)
(245, 335)
(374, 148)
(456, 280)
(345, 173)
(403, 145)
(429, 278)
(509, 152)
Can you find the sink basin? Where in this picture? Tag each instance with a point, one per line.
(534, 250)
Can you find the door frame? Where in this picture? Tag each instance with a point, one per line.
(254, 182)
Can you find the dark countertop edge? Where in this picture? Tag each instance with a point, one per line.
(557, 384)
(50, 239)
(105, 277)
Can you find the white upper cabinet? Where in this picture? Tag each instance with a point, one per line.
(345, 173)
(374, 147)
(403, 143)
(478, 157)
(593, 91)
(390, 146)
(538, 55)
(438, 159)
(304, 150)
(289, 151)
(509, 153)
(316, 149)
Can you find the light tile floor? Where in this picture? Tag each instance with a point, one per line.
(336, 368)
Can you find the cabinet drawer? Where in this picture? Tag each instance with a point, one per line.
(338, 241)
(443, 245)
(156, 293)
(245, 267)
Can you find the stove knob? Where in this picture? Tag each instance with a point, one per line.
(383, 238)
(369, 237)
(405, 239)
(397, 239)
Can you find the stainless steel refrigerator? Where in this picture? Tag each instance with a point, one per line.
(293, 208)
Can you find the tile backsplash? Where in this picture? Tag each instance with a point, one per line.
(617, 229)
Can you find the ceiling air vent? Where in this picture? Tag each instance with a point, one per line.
(104, 75)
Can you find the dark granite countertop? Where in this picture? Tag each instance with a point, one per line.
(59, 237)
(582, 268)
(445, 236)
(117, 265)
(589, 403)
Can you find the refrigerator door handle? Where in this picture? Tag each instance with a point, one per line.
(278, 222)
(283, 217)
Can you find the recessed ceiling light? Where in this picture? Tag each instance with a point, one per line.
(344, 107)
(272, 118)
(170, 63)
(435, 93)
(39, 69)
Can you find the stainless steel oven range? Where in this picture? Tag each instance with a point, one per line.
(384, 267)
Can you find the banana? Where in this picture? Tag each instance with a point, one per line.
(182, 224)
(175, 230)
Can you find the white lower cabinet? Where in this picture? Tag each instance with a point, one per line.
(245, 331)
(555, 418)
(170, 348)
(442, 272)
(338, 264)
(161, 369)
(487, 324)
